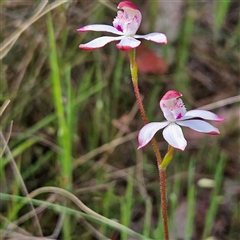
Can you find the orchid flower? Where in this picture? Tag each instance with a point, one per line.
(176, 115)
(125, 25)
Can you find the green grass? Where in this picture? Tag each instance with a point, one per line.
(64, 116)
(215, 197)
(191, 198)
(127, 203)
(66, 103)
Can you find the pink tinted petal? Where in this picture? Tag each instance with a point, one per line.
(126, 4)
(174, 136)
(171, 94)
(199, 126)
(98, 42)
(128, 43)
(100, 28)
(207, 115)
(148, 131)
(154, 37)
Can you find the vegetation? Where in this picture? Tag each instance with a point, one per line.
(69, 124)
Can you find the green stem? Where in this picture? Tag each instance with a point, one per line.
(162, 173)
(168, 157)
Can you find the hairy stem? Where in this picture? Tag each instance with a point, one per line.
(162, 173)
(162, 176)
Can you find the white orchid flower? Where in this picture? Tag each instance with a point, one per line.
(176, 115)
(125, 25)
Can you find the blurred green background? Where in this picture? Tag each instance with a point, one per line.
(72, 121)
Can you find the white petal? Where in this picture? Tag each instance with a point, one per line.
(199, 125)
(148, 131)
(155, 37)
(98, 42)
(207, 115)
(174, 136)
(100, 28)
(128, 43)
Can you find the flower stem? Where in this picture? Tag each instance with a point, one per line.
(162, 173)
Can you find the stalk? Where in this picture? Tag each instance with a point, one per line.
(162, 172)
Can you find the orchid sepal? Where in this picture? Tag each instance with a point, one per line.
(98, 42)
(154, 37)
(99, 28)
(204, 114)
(128, 43)
(148, 131)
(174, 136)
(199, 126)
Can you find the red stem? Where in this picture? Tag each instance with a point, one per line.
(162, 176)
(162, 173)
(145, 120)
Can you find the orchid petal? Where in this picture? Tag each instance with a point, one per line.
(207, 115)
(100, 28)
(127, 43)
(199, 126)
(98, 42)
(148, 131)
(174, 136)
(154, 37)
